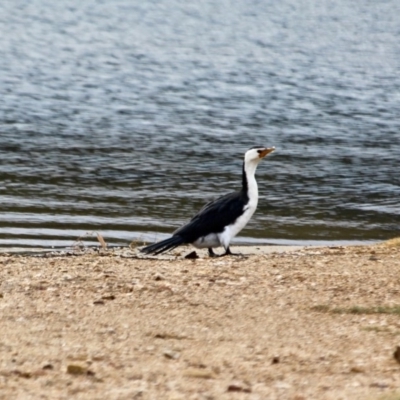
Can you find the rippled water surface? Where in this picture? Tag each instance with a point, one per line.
(125, 117)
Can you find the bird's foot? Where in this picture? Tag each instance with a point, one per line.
(227, 253)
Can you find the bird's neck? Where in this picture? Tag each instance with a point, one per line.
(249, 183)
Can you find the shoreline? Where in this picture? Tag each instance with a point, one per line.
(246, 249)
(92, 242)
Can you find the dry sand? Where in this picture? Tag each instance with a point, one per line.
(313, 323)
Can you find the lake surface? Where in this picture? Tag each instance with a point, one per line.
(124, 117)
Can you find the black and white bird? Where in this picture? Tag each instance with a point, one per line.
(222, 219)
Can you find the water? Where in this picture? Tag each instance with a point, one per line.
(125, 117)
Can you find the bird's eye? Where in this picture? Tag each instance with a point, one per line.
(259, 151)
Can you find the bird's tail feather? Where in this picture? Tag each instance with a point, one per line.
(164, 245)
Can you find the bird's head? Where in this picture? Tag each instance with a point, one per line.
(256, 153)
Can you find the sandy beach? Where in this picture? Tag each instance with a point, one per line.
(279, 323)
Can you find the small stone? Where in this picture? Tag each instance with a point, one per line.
(275, 360)
(48, 367)
(192, 256)
(170, 354)
(199, 373)
(396, 354)
(108, 297)
(357, 370)
(98, 302)
(74, 369)
(238, 387)
(169, 336)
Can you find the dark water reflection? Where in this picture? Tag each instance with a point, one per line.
(125, 117)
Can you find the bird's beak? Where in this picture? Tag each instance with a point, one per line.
(266, 152)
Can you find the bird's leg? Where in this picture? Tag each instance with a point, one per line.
(211, 252)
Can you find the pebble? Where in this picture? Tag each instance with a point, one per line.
(171, 354)
(237, 386)
(199, 373)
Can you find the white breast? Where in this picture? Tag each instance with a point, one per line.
(232, 230)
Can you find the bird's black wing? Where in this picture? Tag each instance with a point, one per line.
(213, 217)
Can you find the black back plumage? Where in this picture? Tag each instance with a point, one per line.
(214, 217)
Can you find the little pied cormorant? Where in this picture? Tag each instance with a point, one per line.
(222, 219)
